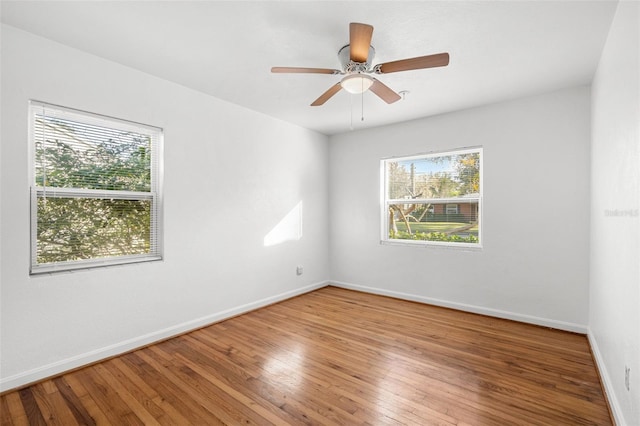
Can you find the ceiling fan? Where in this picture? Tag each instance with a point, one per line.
(356, 59)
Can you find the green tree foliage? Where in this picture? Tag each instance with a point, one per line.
(399, 180)
(468, 168)
(435, 236)
(90, 228)
(93, 224)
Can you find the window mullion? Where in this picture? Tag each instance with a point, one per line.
(51, 192)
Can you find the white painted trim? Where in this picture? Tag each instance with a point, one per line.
(545, 322)
(616, 411)
(59, 367)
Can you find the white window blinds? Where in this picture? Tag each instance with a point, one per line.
(96, 193)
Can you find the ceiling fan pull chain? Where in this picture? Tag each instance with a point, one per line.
(351, 109)
(362, 104)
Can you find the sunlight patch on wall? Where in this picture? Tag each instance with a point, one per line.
(288, 229)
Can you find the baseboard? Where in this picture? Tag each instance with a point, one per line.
(605, 379)
(54, 369)
(561, 325)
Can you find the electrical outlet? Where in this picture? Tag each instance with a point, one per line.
(627, 373)
(299, 270)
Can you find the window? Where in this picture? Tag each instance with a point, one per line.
(95, 190)
(433, 199)
(452, 209)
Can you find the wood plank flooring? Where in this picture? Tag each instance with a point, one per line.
(333, 357)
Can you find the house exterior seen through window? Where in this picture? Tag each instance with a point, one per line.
(433, 199)
(95, 190)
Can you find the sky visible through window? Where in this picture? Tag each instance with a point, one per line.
(429, 165)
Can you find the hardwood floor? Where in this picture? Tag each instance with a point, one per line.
(333, 356)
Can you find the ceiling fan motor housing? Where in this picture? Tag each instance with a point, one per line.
(351, 67)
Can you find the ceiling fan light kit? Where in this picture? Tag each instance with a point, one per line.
(356, 58)
(356, 83)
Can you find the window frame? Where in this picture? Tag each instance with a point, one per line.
(155, 194)
(385, 202)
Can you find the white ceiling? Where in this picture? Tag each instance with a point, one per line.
(499, 49)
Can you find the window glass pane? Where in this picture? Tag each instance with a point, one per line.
(433, 222)
(71, 154)
(89, 228)
(441, 176)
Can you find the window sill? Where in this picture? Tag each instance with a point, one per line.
(92, 264)
(433, 244)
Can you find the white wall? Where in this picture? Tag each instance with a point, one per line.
(614, 318)
(230, 176)
(534, 263)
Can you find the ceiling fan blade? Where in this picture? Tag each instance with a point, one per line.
(304, 70)
(430, 61)
(327, 95)
(359, 41)
(384, 92)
